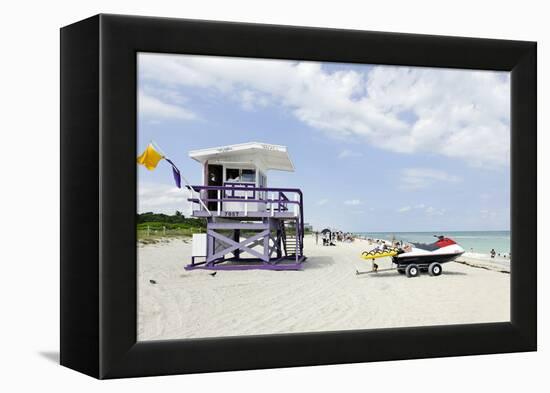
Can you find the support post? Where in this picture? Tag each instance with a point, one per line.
(297, 234)
(267, 254)
(209, 246)
(237, 238)
(279, 241)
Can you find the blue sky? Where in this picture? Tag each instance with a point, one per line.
(376, 148)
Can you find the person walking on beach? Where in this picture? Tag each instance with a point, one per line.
(316, 238)
(493, 252)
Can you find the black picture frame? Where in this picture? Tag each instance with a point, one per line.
(98, 196)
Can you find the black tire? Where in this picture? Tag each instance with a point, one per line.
(435, 269)
(412, 270)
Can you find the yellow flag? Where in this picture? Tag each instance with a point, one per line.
(150, 158)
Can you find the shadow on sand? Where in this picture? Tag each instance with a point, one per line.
(318, 262)
(396, 274)
(380, 274)
(448, 273)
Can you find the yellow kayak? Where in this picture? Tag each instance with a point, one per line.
(374, 254)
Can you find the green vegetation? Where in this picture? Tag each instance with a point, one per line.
(152, 226)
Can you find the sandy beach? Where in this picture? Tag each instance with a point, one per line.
(326, 295)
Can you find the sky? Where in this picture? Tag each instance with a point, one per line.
(375, 148)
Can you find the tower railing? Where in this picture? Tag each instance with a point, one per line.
(275, 200)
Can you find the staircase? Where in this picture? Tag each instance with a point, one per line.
(290, 238)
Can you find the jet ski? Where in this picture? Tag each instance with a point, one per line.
(416, 257)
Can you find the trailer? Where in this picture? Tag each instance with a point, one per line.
(409, 269)
(417, 257)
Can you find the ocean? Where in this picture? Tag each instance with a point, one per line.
(474, 242)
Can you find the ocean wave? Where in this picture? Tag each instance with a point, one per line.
(487, 257)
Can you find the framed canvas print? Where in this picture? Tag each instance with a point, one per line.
(240, 196)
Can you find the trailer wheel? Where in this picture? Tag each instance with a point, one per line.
(412, 270)
(435, 269)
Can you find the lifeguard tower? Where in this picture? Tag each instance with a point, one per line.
(249, 225)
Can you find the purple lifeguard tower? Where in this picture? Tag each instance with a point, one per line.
(249, 225)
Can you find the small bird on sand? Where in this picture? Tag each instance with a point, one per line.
(152, 281)
(213, 274)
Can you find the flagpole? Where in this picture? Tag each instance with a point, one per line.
(155, 145)
(183, 177)
(191, 188)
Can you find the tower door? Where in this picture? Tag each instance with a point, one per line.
(215, 178)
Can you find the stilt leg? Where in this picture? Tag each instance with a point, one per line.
(237, 237)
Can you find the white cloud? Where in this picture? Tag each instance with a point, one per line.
(322, 202)
(487, 214)
(353, 202)
(154, 107)
(418, 178)
(349, 154)
(250, 100)
(463, 114)
(163, 198)
(432, 211)
(428, 210)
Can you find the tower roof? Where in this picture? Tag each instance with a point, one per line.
(264, 155)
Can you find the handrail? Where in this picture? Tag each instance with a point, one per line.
(237, 199)
(232, 187)
(280, 201)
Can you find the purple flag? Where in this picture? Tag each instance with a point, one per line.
(175, 172)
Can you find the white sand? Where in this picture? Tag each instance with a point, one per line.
(326, 296)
